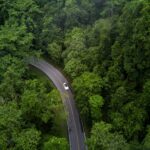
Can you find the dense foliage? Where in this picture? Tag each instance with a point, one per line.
(102, 46)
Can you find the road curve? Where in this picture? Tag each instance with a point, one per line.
(75, 130)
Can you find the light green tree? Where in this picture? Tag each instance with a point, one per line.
(55, 143)
(74, 67)
(28, 139)
(55, 50)
(10, 123)
(95, 104)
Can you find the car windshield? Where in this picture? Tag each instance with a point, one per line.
(65, 84)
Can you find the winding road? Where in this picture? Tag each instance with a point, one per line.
(75, 130)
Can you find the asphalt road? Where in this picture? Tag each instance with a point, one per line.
(75, 130)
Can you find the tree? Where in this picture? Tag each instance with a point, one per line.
(75, 68)
(119, 98)
(55, 143)
(135, 55)
(75, 40)
(54, 103)
(129, 120)
(28, 139)
(78, 13)
(18, 23)
(9, 35)
(55, 50)
(95, 104)
(85, 86)
(113, 7)
(38, 103)
(145, 96)
(12, 78)
(146, 141)
(10, 123)
(102, 138)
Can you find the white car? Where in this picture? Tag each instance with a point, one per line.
(66, 87)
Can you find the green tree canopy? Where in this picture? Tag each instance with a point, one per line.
(95, 104)
(102, 138)
(27, 139)
(56, 144)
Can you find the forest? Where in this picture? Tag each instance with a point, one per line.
(102, 47)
